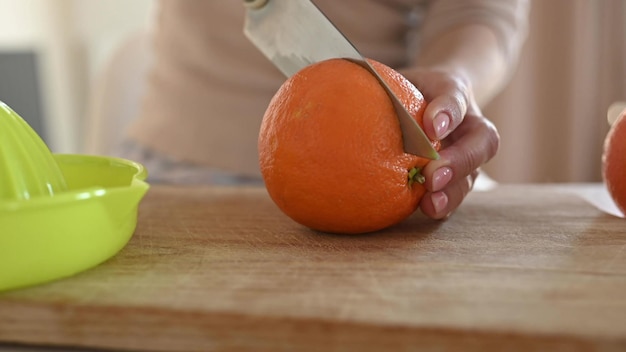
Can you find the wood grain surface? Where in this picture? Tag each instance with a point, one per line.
(518, 268)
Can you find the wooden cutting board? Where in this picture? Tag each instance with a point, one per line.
(518, 268)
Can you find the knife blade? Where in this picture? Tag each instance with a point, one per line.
(295, 33)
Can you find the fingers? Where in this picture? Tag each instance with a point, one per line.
(444, 113)
(440, 204)
(472, 144)
(449, 98)
(468, 139)
(448, 179)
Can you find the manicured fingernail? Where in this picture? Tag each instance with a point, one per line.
(441, 124)
(440, 201)
(441, 177)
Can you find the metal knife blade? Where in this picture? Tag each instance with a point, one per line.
(295, 33)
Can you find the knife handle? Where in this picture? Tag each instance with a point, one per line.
(254, 4)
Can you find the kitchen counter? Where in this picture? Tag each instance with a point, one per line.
(516, 268)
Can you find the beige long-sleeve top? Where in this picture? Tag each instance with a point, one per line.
(209, 86)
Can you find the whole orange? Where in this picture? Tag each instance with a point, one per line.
(614, 161)
(331, 151)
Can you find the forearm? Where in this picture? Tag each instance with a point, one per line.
(478, 40)
(472, 52)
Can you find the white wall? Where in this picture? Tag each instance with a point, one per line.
(101, 24)
(73, 38)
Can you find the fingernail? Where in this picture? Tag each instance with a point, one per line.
(441, 124)
(441, 177)
(440, 201)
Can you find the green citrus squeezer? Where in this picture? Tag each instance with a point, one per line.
(60, 214)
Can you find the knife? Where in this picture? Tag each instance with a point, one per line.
(295, 33)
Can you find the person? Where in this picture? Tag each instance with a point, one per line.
(209, 85)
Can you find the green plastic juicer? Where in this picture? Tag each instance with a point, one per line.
(60, 214)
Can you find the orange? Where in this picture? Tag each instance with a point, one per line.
(331, 152)
(614, 162)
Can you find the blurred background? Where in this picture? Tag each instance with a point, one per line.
(52, 57)
(74, 70)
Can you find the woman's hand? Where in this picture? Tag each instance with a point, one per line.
(468, 139)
